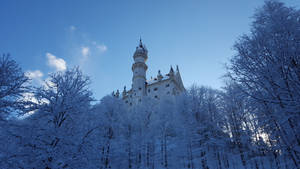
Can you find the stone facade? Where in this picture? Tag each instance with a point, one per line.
(168, 85)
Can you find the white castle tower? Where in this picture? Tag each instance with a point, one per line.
(168, 85)
(139, 69)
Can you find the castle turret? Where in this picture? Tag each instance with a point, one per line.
(159, 76)
(139, 69)
(178, 78)
(124, 92)
(171, 73)
(117, 94)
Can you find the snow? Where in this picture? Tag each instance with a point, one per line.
(252, 123)
(155, 80)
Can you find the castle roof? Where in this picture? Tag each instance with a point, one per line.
(155, 80)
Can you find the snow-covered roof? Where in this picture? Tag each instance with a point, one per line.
(155, 80)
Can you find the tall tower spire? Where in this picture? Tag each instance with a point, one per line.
(141, 44)
(139, 69)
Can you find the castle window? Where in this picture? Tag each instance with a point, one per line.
(140, 88)
(148, 90)
(126, 101)
(167, 85)
(140, 100)
(156, 96)
(168, 92)
(174, 91)
(130, 104)
(155, 89)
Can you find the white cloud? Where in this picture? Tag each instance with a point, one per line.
(85, 51)
(58, 63)
(102, 48)
(37, 74)
(72, 28)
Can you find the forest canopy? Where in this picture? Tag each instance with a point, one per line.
(253, 122)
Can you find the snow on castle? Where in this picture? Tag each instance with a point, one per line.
(161, 86)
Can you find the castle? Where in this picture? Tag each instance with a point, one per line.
(168, 85)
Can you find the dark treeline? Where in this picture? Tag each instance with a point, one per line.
(253, 122)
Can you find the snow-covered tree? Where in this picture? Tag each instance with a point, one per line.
(12, 88)
(252, 122)
(58, 127)
(266, 65)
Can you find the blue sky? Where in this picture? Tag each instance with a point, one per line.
(101, 36)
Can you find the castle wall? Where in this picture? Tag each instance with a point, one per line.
(161, 89)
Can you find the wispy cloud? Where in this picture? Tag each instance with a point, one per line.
(58, 63)
(101, 48)
(91, 49)
(85, 51)
(72, 28)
